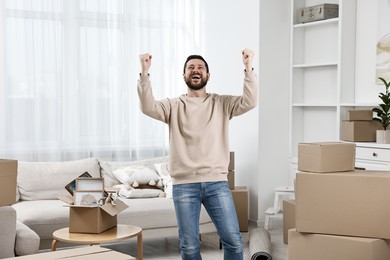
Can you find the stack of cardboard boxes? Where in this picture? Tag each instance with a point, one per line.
(359, 126)
(240, 197)
(8, 176)
(340, 213)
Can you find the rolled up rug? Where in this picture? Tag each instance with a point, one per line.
(260, 244)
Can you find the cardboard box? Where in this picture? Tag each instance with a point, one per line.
(8, 176)
(82, 253)
(351, 203)
(326, 157)
(359, 131)
(231, 162)
(304, 246)
(231, 179)
(288, 218)
(92, 219)
(359, 115)
(240, 197)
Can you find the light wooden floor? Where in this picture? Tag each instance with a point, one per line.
(167, 248)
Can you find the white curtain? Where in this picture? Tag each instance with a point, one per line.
(68, 74)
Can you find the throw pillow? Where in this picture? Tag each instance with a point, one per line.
(107, 168)
(163, 172)
(126, 191)
(136, 175)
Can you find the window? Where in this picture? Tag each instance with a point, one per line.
(69, 70)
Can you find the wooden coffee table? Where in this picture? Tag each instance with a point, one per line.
(115, 234)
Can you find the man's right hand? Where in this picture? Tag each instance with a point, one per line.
(145, 60)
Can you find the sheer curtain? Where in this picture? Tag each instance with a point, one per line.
(69, 68)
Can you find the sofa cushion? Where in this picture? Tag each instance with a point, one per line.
(107, 167)
(47, 180)
(43, 216)
(151, 213)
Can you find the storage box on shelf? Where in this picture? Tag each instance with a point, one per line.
(359, 126)
(318, 12)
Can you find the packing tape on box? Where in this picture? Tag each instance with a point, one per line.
(260, 244)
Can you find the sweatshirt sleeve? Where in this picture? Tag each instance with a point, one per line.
(238, 105)
(159, 110)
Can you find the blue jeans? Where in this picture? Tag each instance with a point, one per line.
(218, 201)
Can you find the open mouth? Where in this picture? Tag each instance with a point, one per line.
(196, 77)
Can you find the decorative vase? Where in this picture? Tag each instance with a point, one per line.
(383, 136)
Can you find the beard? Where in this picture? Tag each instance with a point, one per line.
(196, 86)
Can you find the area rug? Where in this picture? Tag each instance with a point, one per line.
(260, 244)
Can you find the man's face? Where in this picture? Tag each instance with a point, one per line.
(196, 75)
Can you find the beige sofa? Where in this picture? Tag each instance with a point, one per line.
(16, 238)
(41, 183)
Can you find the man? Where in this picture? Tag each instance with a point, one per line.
(199, 150)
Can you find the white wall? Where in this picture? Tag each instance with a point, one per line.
(367, 24)
(260, 137)
(274, 100)
(232, 26)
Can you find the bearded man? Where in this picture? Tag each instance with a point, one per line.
(199, 150)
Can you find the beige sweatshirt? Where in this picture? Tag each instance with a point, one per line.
(198, 129)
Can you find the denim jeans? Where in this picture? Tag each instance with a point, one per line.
(218, 201)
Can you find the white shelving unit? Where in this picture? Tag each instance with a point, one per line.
(321, 74)
(322, 80)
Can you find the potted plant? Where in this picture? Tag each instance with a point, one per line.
(383, 114)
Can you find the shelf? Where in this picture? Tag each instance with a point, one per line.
(315, 65)
(316, 45)
(314, 105)
(361, 105)
(321, 74)
(316, 23)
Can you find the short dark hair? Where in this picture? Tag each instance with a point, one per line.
(192, 57)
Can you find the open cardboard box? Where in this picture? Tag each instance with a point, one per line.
(91, 217)
(86, 219)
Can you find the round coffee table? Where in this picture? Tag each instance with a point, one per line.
(115, 234)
